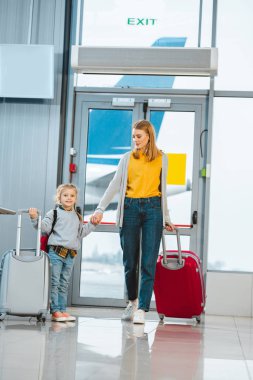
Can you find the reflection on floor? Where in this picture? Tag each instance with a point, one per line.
(100, 346)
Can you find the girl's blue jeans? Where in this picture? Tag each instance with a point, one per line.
(61, 269)
(142, 226)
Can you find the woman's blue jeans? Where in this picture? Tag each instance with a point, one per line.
(142, 227)
(61, 269)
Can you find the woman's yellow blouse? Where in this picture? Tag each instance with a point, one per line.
(144, 177)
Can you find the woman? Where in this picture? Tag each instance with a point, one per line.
(142, 213)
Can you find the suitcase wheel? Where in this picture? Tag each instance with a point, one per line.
(161, 316)
(41, 318)
(198, 318)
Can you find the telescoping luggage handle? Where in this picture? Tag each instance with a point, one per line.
(26, 211)
(173, 263)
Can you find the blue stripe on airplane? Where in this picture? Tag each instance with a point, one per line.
(110, 130)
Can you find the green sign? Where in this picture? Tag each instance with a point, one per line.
(141, 21)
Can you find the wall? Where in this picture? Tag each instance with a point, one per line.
(229, 293)
(29, 129)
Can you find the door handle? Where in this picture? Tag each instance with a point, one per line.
(195, 217)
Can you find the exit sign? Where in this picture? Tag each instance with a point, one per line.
(141, 21)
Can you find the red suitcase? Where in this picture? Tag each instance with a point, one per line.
(179, 284)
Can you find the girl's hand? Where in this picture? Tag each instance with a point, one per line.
(33, 212)
(96, 218)
(170, 227)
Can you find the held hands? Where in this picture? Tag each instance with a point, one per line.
(96, 218)
(170, 227)
(33, 212)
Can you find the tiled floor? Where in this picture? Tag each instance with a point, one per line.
(100, 346)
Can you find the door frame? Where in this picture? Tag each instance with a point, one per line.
(186, 102)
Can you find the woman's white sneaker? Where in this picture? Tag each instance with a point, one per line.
(129, 311)
(139, 316)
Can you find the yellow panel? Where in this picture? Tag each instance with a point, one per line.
(177, 169)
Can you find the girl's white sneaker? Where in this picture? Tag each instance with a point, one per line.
(139, 316)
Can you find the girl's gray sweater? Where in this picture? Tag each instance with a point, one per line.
(119, 184)
(68, 230)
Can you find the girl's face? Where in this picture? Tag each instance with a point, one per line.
(68, 199)
(140, 138)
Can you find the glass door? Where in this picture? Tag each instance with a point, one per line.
(102, 135)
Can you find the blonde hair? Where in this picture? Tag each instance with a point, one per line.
(59, 191)
(151, 151)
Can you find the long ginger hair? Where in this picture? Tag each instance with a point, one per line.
(151, 151)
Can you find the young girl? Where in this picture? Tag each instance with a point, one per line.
(64, 242)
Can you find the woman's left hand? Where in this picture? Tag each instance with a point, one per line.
(96, 218)
(170, 227)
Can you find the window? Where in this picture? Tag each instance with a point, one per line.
(231, 205)
(142, 23)
(234, 41)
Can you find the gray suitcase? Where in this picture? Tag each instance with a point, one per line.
(25, 279)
